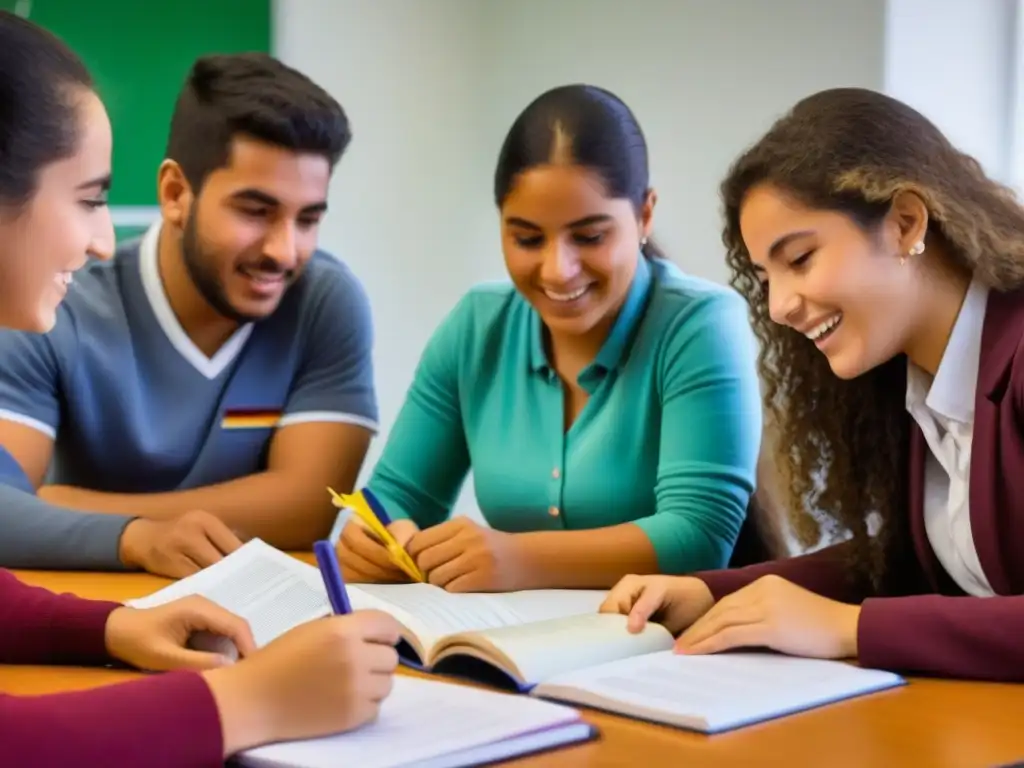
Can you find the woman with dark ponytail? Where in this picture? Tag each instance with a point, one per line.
(606, 403)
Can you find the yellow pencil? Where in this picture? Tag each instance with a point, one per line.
(360, 507)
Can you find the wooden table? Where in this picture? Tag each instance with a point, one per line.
(927, 723)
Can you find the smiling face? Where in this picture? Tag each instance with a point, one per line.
(65, 221)
(843, 288)
(254, 226)
(570, 250)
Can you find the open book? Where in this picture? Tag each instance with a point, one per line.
(551, 643)
(435, 725)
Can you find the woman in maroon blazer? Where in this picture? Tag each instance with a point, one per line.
(884, 272)
(322, 677)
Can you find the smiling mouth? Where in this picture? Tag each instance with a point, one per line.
(824, 330)
(261, 278)
(567, 296)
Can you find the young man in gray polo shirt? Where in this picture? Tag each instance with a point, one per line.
(221, 363)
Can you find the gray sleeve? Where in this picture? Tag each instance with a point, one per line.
(35, 534)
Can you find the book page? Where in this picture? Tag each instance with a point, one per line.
(432, 613)
(714, 692)
(543, 649)
(423, 720)
(273, 591)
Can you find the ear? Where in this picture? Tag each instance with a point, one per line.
(174, 194)
(908, 220)
(647, 213)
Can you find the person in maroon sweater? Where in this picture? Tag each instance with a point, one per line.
(885, 275)
(323, 677)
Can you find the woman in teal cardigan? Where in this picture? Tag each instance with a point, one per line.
(607, 404)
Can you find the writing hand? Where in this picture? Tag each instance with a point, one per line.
(325, 676)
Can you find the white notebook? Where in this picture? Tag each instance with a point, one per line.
(431, 724)
(550, 643)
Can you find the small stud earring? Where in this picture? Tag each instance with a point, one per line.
(915, 250)
(643, 241)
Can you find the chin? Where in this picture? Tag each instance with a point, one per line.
(847, 367)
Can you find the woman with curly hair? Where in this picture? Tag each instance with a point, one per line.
(884, 271)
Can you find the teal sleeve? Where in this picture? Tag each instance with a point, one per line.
(426, 460)
(710, 436)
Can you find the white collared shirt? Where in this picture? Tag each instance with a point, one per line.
(944, 409)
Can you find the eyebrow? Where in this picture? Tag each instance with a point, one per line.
(103, 182)
(586, 221)
(258, 196)
(782, 242)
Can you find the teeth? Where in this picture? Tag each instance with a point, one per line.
(262, 277)
(816, 333)
(565, 296)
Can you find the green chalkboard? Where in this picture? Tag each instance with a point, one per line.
(139, 52)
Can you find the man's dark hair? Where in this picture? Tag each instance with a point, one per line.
(255, 95)
(40, 83)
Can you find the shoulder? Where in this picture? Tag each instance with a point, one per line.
(328, 278)
(486, 309)
(680, 301)
(328, 292)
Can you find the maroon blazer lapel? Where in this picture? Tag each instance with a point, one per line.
(997, 458)
(997, 454)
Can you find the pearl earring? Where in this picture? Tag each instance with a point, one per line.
(643, 241)
(915, 250)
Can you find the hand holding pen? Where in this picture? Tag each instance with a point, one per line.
(371, 548)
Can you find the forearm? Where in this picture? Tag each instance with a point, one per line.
(960, 637)
(826, 572)
(284, 509)
(592, 559)
(40, 627)
(37, 534)
(163, 720)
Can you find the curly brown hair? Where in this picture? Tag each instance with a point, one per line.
(851, 151)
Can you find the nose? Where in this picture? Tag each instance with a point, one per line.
(561, 264)
(280, 245)
(783, 302)
(101, 245)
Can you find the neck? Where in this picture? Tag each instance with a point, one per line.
(571, 353)
(207, 329)
(943, 295)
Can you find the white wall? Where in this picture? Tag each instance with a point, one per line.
(432, 86)
(955, 62)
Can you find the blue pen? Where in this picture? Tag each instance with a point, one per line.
(375, 506)
(331, 574)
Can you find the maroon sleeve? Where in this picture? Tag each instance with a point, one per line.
(40, 627)
(824, 572)
(968, 637)
(161, 720)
